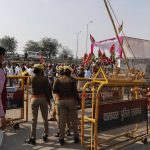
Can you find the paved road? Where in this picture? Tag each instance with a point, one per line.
(14, 140)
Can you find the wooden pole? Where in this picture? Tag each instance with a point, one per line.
(107, 8)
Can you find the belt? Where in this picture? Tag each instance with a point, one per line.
(37, 96)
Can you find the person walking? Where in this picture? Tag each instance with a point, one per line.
(65, 91)
(41, 95)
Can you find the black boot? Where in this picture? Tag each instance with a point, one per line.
(76, 140)
(45, 137)
(61, 141)
(30, 141)
(68, 133)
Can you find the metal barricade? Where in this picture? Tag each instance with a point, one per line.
(17, 99)
(116, 104)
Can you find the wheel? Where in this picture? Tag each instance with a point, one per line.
(144, 140)
(16, 126)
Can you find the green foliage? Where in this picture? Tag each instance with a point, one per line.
(32, 46)
(9, 43)
(66, 53)
(47, 46)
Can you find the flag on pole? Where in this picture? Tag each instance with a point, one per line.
(99, 53)
(88, 58)
(85, 57)
(92, 57)
(92, 39)
(120, 27)
(112, 49)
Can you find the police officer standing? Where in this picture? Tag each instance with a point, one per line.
(66, 92)
(40, 98)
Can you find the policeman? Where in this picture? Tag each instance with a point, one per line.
(56, 111)
(65, 90)
(40, 97)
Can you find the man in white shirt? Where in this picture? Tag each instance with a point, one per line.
(87, 73)
(30, 70)
(10, 72)
(18, 70)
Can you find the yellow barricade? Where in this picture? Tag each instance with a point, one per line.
(17, 97)
(115, 104)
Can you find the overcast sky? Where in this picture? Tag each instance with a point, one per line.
(61, 19)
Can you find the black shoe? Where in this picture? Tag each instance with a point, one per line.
(68, 133)
(61, 141)
(44, 136)
(76, 140)
(57, 134)
(30, 141)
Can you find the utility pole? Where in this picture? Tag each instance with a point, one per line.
(77, 34)
(87, 34)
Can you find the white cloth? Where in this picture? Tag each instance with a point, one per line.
(30, 71)
(10, 70)
(87, 74)
(18, 70)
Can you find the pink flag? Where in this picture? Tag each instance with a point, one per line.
(92, 39)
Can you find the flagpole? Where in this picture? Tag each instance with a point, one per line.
(77, 34)
(87, 29)
(116, 34)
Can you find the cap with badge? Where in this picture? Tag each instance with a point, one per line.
(39, 66)
(60, 68)
(68, 68)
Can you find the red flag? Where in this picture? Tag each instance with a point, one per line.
(112, 49)
(88, 58)
(92, 39)
(85, 57)
(99, 53)
(104, 55)
(104, 59)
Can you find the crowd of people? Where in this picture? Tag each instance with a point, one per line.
(47, 82)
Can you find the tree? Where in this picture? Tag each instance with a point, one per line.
(66, 53)
(9, 43)
(32, 46)
(49, 47)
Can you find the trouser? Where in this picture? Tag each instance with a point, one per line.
(57, 115)
(67, 108)
(35, 104)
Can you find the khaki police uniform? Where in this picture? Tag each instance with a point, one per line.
(41, 94)
(65, 88)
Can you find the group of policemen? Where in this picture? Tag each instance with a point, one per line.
(65, 97)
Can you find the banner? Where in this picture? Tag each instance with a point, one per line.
(120, 114)
(15, 98)
(105, 46)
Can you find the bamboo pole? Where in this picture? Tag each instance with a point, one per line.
(116, 34)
